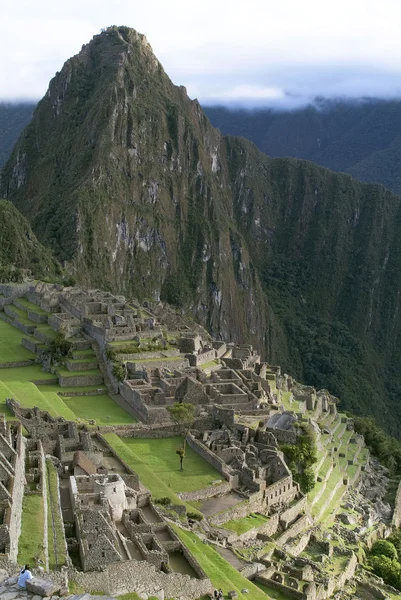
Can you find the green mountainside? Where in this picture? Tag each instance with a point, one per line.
(13, 119)
(361, 138)
(123, 176)
(19, 248)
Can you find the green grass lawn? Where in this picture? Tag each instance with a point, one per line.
(28, 395)
(101, 408)
(57, 551)
(219, 571)
(46, 330)
(30, 373)
(11, 349)
(154, 483)
(159, 455)
(30, 543)
(246, 523)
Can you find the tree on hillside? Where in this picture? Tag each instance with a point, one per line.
(182, 413)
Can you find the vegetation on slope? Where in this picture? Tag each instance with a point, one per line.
(385, 447)
(301, 262)
(20, 250)
(301, 457)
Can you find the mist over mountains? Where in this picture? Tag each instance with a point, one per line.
(123, 177)
(360, 138)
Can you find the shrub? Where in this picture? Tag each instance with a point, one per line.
(164, 500)
(384, 548)
(195, 516)
(119, 371)
(387, 568)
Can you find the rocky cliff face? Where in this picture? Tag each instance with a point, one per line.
(125, 178)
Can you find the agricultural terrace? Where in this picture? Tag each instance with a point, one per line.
(31, 386)
(220, 572)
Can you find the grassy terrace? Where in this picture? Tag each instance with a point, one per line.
(11, 349)
(18, 383)
(209, 365)
(220, 572)
(32, 307)
(57, 551)
(102, 409)
(246, 523)
(66, 373)
(30, 543)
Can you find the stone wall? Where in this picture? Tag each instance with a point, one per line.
(209, 492)
(300, 525)
(17, 496)
(266, 530)
(80, 380)
(141, 577)
(11, 291)
(240, 510)
(212, 459)
(291, 513)
(280, 491)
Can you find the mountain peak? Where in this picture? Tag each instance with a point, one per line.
(124, 177)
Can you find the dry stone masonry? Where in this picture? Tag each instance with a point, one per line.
(119, 539)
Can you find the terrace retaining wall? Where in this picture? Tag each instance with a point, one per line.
(141, 577)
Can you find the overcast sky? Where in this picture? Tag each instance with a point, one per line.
(253, 52)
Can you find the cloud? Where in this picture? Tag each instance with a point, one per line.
(259, 51)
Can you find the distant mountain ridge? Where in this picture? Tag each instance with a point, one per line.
(123, 176)
(14, 117)
(360, 138)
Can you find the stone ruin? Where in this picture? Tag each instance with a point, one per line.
(240, 422)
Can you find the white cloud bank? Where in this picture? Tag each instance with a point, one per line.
(254, 52)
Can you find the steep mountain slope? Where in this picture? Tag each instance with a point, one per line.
(13, 119)
(124, 177)
(19, 248)
(363, 138)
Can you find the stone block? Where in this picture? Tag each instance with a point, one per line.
(42, 587)
(9, 595)
(232, 594)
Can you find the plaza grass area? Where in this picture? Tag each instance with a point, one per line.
(11, 349)
(246, 523)
(149, 479)
(219, 571)
(30, 543)
(159, 456)
(56, 544)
